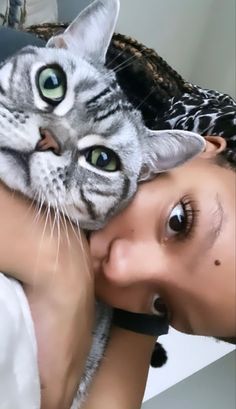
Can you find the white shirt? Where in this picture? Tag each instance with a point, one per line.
(19, 376)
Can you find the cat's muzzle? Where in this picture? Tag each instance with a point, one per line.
(48, 142)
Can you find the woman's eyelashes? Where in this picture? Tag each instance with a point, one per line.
(182, 220)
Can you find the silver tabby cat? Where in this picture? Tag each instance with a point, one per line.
(69, 137)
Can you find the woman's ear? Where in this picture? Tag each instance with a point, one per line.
(214, 146)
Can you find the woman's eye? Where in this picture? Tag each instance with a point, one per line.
(103, 158)
(52, 84)
(177, 221)
(182, 220)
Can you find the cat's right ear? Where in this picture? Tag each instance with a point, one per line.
(167, 149)
(89, 35)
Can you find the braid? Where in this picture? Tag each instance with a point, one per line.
(158, 67)
(148, 81)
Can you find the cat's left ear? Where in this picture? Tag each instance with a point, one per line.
(167, 149)
(89, 35)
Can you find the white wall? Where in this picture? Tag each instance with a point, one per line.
(186, 355)
(210, 388)
(197, 37)
(68, 9)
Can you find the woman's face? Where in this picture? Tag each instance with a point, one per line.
(175, 240)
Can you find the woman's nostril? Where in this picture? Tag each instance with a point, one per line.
(159, 306)
(48, 142)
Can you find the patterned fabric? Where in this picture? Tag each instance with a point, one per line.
(203, 111)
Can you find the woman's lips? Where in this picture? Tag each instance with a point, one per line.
(102, 256)
(97, 267)
(99, 247)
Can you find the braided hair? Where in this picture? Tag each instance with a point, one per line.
(166, 100)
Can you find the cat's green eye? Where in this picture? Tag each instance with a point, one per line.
(103, 158)
(52, 84)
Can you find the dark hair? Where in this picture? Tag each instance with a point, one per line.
(157, 89)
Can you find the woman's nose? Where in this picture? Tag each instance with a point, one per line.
(131, 262)
(131, 274)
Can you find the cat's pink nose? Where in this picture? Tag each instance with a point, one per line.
(48, 142)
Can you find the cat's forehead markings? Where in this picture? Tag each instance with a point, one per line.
(72, 66)
(2, 91)
(86, 85)
(112, 130)
(90, 103)
(27, 51)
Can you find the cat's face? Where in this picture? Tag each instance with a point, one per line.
(97, 154)
(68, 136)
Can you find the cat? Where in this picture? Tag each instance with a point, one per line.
(70, 139)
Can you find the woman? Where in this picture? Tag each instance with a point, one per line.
(174, 247)
(130, 373)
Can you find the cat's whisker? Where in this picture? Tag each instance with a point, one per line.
(53, 222)
(79, 236)
(115, 58)
(13, 192)
(37, 205)
(50, 215)
(120, 67)
(84, 252)
(145, 99)
(40, 202)
(70, 222)
(58, 224)
(124, 64)
(64, 221)
(37, 261)
(34, 204)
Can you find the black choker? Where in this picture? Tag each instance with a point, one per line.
(141, 323)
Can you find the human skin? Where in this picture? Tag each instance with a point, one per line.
(189, 262)
(131, 367)
(122, 375)
(58, 282)
(62, 312)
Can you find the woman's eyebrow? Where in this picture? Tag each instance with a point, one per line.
(216, 219)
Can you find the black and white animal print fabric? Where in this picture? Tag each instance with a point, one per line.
(203, 111)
